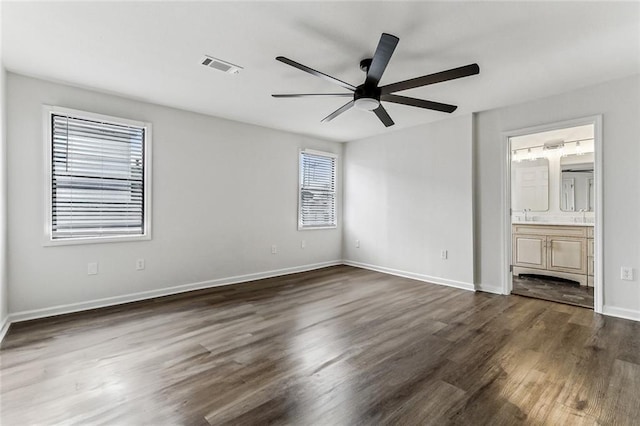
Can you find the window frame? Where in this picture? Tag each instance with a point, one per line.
(301, 227)
(47, 112)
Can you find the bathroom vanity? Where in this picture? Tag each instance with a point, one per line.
(558, 250)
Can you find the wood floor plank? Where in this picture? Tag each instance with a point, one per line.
(335, 346)
(622, 406)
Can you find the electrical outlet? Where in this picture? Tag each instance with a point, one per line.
(92, 268)
(357, 243)
(626, 273)
(444, 254)
(274, 249)
(303, 244)
(139, 264)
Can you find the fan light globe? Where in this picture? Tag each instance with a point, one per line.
(367, 104)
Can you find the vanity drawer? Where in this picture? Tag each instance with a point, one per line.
(565, 231)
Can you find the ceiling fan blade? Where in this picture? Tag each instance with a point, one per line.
(383, 116)
(420, 103)
(381, 58)
(438, 77)
(307, 95)
(316, 73)
(337, 112)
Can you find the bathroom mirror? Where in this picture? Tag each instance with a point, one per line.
(577, 190)
(530, 185)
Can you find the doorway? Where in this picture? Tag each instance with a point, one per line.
(552, 221)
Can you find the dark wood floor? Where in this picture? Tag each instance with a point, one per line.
(337, 346)
(554, 290)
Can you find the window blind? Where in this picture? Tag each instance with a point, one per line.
(97, 185)
(317, 190)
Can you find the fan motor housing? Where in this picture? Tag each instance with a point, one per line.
(367, 98)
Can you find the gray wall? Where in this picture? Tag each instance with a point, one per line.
(408, 195)
(223, 193)
(619, 103)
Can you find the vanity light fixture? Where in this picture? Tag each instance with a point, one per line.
(558, 146)
(552, 145)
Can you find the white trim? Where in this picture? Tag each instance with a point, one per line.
(94, 116)
(336, 206)
(47, 112)
(134, 297)
(630, 314)
(4, 327)
(494, 289)
(596, 121)
(320, 153)
(312, 228)
(48, 170)
(507, 277)
(420, 277)
(598, 173)
(94, 240)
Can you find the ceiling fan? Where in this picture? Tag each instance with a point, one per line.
(368, 95)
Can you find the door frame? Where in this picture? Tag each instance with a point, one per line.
(596, 121)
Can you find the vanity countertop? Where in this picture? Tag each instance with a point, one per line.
(531, 222)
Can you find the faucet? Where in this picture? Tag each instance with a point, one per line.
(525, 214)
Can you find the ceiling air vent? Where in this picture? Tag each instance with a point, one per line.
(220, 65)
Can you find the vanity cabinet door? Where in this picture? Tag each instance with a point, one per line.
(567, 254)
(529, 251)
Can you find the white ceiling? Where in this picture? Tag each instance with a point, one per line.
(151, 51)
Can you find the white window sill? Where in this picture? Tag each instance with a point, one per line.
(94, 240)
(311, 228)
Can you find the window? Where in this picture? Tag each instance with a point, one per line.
(97, 188)
(317, 204)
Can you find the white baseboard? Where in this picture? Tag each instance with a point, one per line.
(412, 275)
(629, 314)
(134, 297)
(4, 327)
(489, 289)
